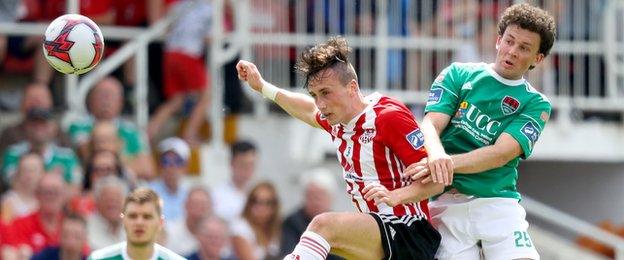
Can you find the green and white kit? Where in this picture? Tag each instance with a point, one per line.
(483, 105)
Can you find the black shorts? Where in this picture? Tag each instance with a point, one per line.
(407, 237)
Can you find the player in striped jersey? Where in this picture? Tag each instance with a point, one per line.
(376, 138)
(142, 220)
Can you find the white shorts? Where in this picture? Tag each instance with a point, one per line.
(471, 227)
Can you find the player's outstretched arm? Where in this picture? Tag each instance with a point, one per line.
(439, 162)
(298, 105)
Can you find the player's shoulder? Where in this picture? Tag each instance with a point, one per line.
(468, 67)
(109, 253)
(389, 108)
(166, 254)
(536, 96)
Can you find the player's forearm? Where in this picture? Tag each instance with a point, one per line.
(479, 160)
(432, 136)
(298, 105)
(416, 192)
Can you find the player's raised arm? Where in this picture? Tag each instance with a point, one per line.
(297, 105)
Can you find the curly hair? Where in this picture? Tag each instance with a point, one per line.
(533, 19)
(334, 54)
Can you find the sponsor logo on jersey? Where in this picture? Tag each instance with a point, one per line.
(416, 138)
(434, 96)
(480, 120)
(530, 131)
(392, 232)
(509, 105)
(461, 110)
(367, 136)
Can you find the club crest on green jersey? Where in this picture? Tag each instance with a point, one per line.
(509, 105)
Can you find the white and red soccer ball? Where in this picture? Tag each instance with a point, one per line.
(73, 44)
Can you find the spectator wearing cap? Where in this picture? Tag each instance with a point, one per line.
(35, 96)
(173, 159)
(105, 104)
(40, 130)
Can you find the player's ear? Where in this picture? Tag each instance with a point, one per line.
(353, 86)
(498, 41)
(538, 59)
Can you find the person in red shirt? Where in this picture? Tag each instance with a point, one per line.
(376, 138)
(34, 232)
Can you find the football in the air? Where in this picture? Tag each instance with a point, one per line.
(73, 44)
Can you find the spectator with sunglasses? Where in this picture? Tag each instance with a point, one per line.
(256, 234)
(172, 165)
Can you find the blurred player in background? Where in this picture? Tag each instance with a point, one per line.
(143, 222)
(481, 119)
(376, 137)
(184, 72)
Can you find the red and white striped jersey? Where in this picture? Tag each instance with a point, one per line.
(376, 146)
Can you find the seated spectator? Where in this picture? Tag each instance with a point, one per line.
(104, 138)
(35, 96)
(104, 224)
(212, 236)
(104, 103)
(256, 234)
(32, 233)
(174, 155)
(40, 129)
(229, 197)
(320, 188)
(185, 45)
(20, 200)
(72, 243)
(181, 233)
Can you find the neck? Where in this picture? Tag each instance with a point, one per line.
(50, 220)
(70, 255)
(357, 108)
(140, 252)
(38, 148)
(207, 256)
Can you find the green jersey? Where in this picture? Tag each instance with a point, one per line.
(53, 157)
(80, 131)
(483, 105)
(119, 252)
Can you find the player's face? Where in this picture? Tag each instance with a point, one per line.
(142, 223)
(517, 51)
(332, 97)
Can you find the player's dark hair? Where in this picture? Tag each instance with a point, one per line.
(332, 54)
(242, 146)
(531, 18)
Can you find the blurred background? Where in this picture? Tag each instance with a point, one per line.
(167, 60)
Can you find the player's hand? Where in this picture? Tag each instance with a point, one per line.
(441, 168)
(247, 71)
(380, 194)
(418, 171)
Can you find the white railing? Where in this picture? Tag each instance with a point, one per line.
(578, 226)
(584, 70)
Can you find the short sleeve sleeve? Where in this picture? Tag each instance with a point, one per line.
(445, 91)
(401, 134)
(528, 126)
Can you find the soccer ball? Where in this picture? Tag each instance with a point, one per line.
(73, 44)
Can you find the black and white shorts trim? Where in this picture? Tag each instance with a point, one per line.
(407, 237)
